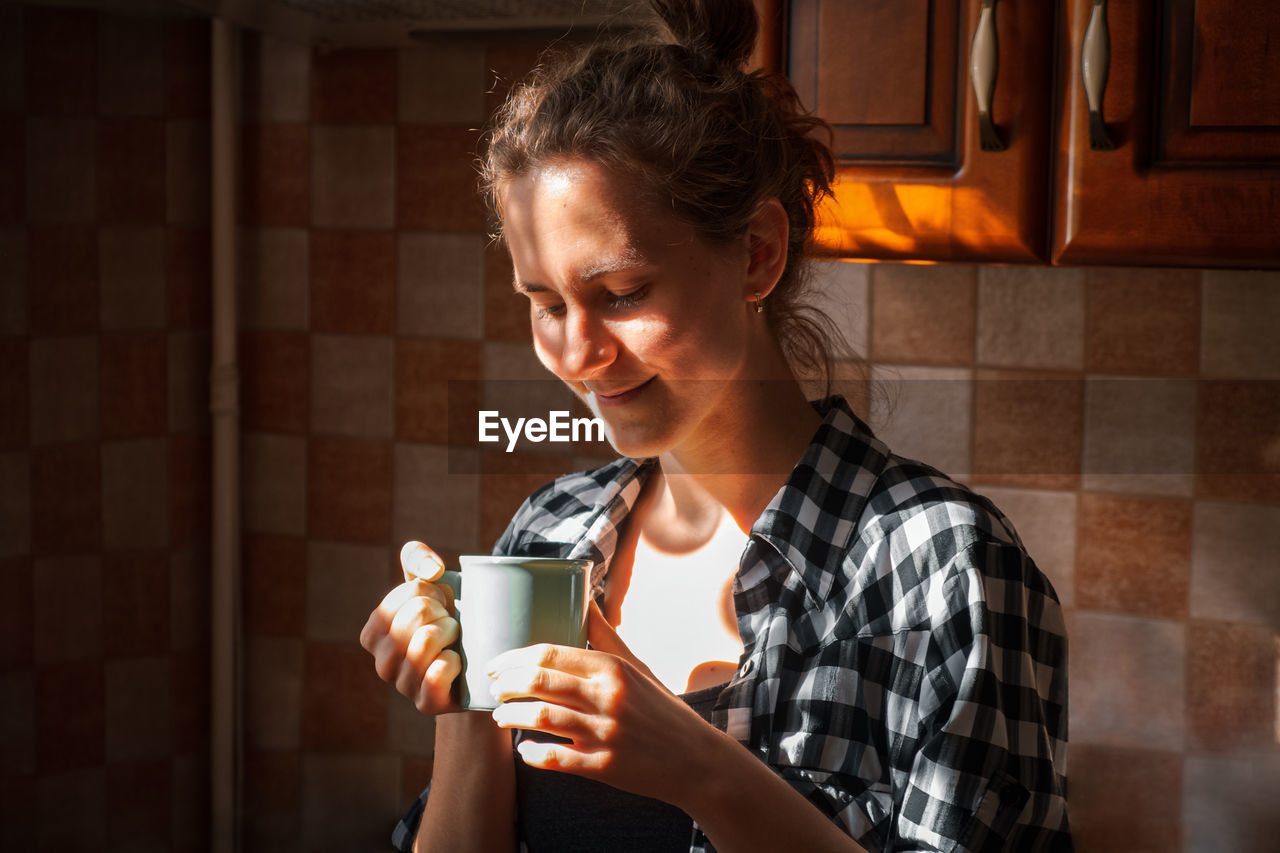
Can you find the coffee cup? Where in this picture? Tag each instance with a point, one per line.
(511, 602)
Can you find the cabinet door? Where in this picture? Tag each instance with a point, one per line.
(1192, 107)
(893, 79)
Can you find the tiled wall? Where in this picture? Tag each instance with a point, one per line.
(104, 449)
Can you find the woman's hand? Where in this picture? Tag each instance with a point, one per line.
(408, 634)
(627, 729)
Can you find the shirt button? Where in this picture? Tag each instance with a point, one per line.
(747, 668)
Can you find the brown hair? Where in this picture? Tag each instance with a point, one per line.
(706, 139)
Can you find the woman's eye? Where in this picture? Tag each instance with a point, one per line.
(627, 300)
(546, 312)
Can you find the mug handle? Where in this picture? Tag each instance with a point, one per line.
(453, 579)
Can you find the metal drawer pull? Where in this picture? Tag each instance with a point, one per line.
(984, 64)
(1095, 61)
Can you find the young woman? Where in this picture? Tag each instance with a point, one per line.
(798, 641)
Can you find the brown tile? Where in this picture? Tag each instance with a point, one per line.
(190, 487)
(135, 385)
(187, 277)
(415, 775)
(346, 702)
(1134, 556)
(927, 415)
(508, 60)
(275, 176)
(1238, 441)
(1046, 522)
(506, 313)
(189, 818)
(139, 708)
(437, 388)
(841, 291)
(13, 279)
(923, 314)
(62, 49)
(1139, 435)
(17, 621)
(62, 279)
(12, 60)
(340, 793)
(344, 583)
(353, 281)
(18, 725)
(64, 390)
(13, 170)
(509, 479)
(1238, 324)
(190, 702)
(1027, 429)
(130, 66)
(56, 582)
(351, 385)
(1142, 321)
(1232, 543)
(436, 181)
(188, 162)
(1228, 801)
(135, 493)
(272, 791)
(349, 489)
(275, 376)
(440, 287)
(432, 503)
(1031, 317)
(409, 731)
(15, 422)
(88, 789)
(189, 361)
(189, 597)
(273, 692)
(354, 87)
(186, 67)
(274, 477)
(444, 83)
(131, 172)
(66, 499)
(275, 278)
(131, 278)
(1231, 687)
(277, 78)
(1125, 800)
(19, 816)
(61, 170)
(70, 716)
(274, 588)
(16, 501)
(138, 805)
(353, 176)
(135, 603)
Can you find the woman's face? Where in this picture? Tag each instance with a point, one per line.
(645, 321)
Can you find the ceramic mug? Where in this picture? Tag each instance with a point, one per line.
(512, 602)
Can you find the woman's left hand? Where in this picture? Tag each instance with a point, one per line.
(626, 728)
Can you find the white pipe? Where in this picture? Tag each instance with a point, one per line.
(224, 758)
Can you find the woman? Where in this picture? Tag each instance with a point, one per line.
(799, 641)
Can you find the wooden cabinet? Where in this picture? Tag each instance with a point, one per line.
(1192, 105)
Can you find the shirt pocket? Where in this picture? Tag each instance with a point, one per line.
(861, 811)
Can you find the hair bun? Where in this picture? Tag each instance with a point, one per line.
(722, 30)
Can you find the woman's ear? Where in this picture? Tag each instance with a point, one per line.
(767, 235)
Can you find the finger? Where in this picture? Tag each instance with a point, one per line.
(417, 561)
(540, 683)
(562, 757)
(426, 644)
(414, 613)
(545, 717)
(436, 692)
(391, 603)
(568, 659)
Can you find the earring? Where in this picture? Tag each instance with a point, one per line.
(759, 303)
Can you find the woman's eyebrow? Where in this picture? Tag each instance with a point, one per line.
(628, 262)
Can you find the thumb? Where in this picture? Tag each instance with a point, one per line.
(602, 637)
(420, 563)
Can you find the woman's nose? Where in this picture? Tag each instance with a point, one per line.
(587, 346)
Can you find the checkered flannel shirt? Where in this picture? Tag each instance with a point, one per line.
(905, 660)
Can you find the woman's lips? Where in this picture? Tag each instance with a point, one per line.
(621, 397)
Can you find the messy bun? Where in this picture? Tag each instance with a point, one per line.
(705, 138)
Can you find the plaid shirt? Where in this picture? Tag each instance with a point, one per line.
(905, 660)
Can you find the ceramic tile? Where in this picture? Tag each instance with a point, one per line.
(349, 489)
(86, 788)
(275, 379)
(66, 499)
(277, 79)
(348, 801)
(135, 603)
(130, 66)
(189, 817)
(188, 165)
(189, 689)
(62, 48)
(187, 266)
(1027, 429)
(508, 61)
(1140, 435)
(1031, 317)
(433, 505)
(441, 285)
(131, 186)
(353, 173)
(510, 478)
(1228, 802)
(188, 374)
(64, 390)
(189, 584)
(275, 173)
(923, 314)
(506, 313)
(1232, 545)
(435, 179)
(134, 384)
(442, 83)
(841, 292)
(15, 384)
(346, 702)
(53, 579)
(12, 59)
(17, 621)
(274, 289)
(1134, 555)
(273, 693)
(415, 774)
(135, 493)
(353, 281)
(18, 723)
(139, 708)
(13, 281)
(1046, 523)
(62, 285)
(61, 170)
(272, 793)
(1238, 440)
(187, 67)
(18, 811)
(190, 490)
(1238, 337)
(409, 731)
(1128, 681)
(1142, 321)
(274, 585)
(926, 414)
(351, 386)
(354, 87)
(139, 800)
(131, 278)
(344, 583)
(1232, 687)
(274, 483)
(70, 717)
(1125, 800)
(437, 390)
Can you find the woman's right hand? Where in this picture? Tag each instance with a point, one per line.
(410, 632)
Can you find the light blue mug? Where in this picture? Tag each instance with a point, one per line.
(513, 602)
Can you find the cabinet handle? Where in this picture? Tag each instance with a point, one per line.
(984, 63)
(1095, 61)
